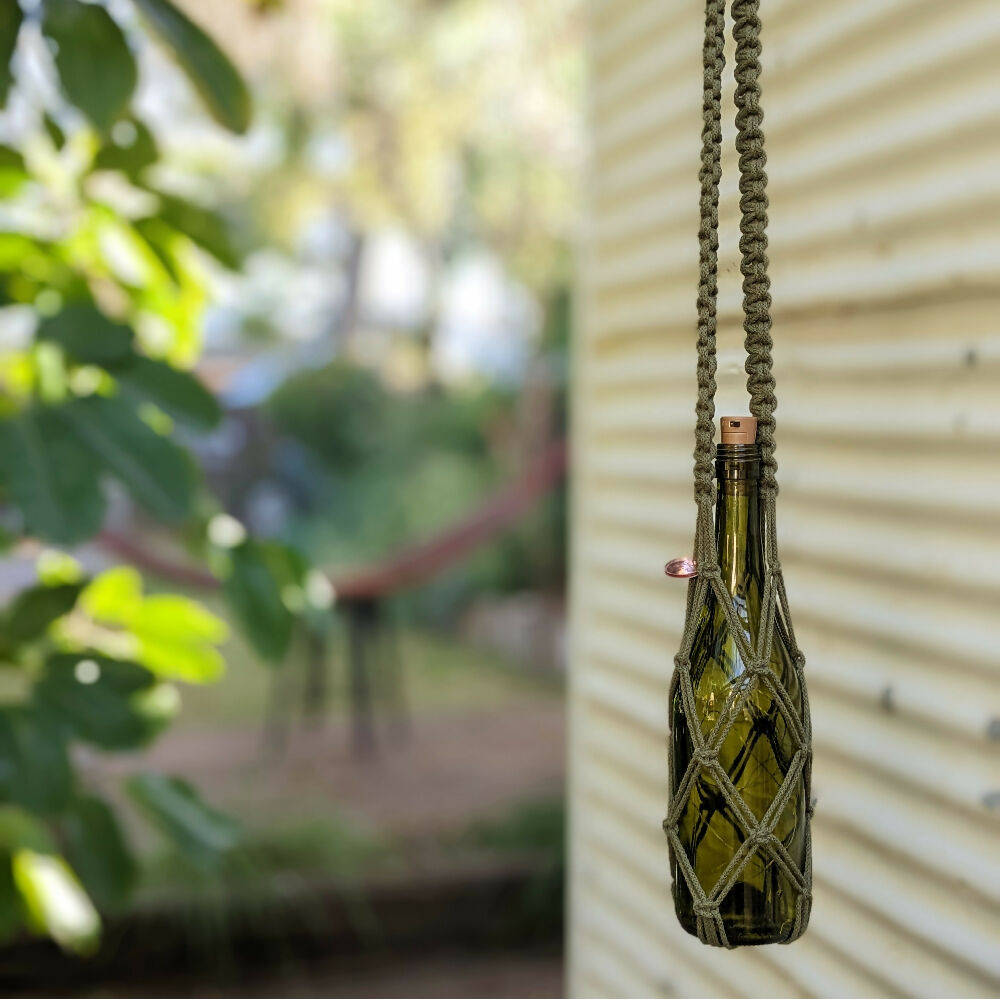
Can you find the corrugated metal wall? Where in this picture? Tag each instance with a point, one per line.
(883, 126)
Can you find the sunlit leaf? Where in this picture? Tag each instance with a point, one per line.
(215, 78)
(155, 471)
(174, 637)
(95, 64)
(10, 24)
(34, 767)
(115, 596)
(177, 639)
(34, 609)
(201, 834)
(253, 590)
(54, 568)
(99, 699)
(158, 237)
(17, 249)
(49, 477)
(55, 901)
(178, 393)
(87, 335)
(96, 848)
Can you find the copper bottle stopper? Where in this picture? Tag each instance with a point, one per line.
(739, 429)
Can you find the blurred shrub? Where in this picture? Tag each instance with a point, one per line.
(396, 468)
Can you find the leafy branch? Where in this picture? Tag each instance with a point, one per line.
(107, 270)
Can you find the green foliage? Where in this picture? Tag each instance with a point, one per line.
(535, 827)
(215, 78)
(110, 710)
(93, 399)
(35, 609)
(254, 586)
(33, 747)
(178, 393)
(336, 411)
(87, 335)
(201, 226)
(98, 852)
(171, 636)
(51, 480)
(10, 24)
(13, 172)
(202, 835)
(95, 64)
(130, 150)
(158, 474)
(54, 901)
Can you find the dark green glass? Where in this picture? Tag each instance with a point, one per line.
(758, 752)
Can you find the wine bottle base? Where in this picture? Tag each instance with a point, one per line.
(742, 933)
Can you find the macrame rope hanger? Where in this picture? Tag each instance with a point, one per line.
(759, 836)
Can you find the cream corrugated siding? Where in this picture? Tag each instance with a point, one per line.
(883, 124)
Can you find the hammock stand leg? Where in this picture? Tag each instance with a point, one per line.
(362, 627)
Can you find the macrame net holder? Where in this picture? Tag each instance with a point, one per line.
(759, 836)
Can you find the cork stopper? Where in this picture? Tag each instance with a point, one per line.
(739, 430)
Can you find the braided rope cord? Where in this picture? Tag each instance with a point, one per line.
(759, 836)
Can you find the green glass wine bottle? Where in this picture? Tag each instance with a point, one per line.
(761, 744)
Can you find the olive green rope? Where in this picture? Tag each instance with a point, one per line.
(758, 836)
(753, 226)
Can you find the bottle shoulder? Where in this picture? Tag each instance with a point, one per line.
(717, 663)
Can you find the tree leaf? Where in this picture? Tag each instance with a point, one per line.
(178, 393)
(216, 79)
(114, 596)
(177, 639)
(34, 767)
(54, 130)
(20, 830)
(55, 901)
(10, 24)
(98, 852)
(49, 477)
(155, 471)
(201, 226)
(202, 834)
(36, 608)
(132, 148)
(96, 67)
(13, 171)
(159, 237)
(108, 710)
(87, 335)
(12, 914)
(253, 591)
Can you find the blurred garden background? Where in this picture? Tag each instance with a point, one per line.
(284, 315)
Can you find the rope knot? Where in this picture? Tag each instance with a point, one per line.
(706, 909)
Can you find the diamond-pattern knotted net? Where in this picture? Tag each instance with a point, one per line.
(759, 834)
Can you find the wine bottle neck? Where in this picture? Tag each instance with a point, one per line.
(739, 530)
